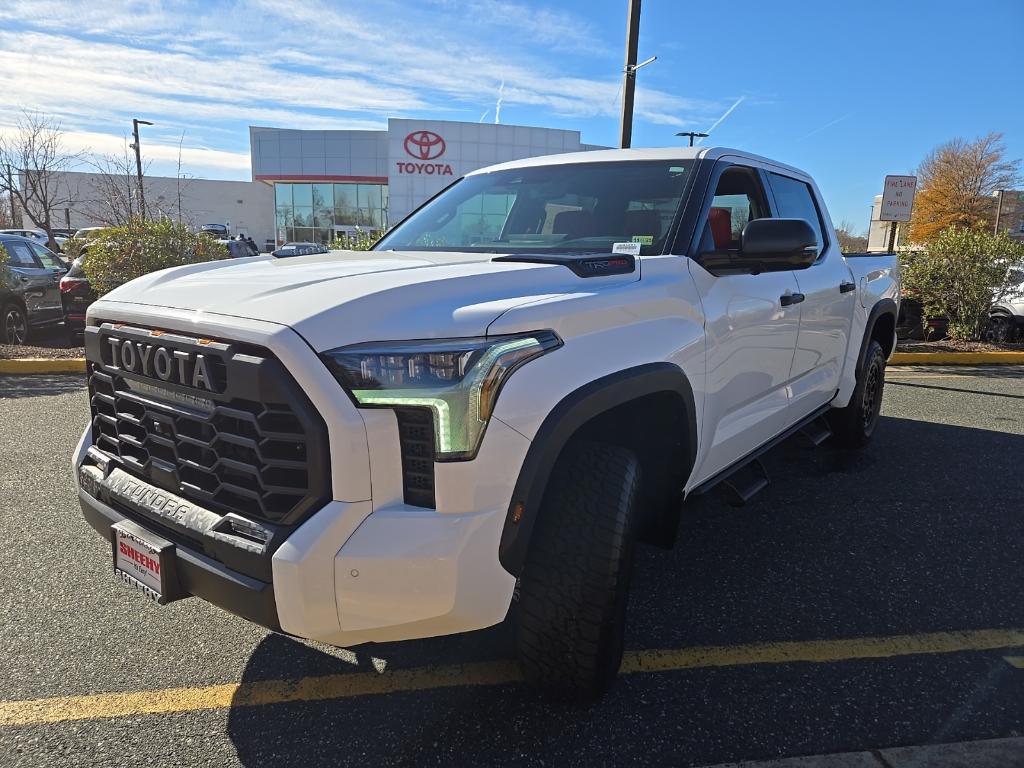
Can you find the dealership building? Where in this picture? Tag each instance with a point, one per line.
(330, 182)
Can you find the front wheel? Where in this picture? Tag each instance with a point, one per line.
(13, 325)
(574, 587)
(854, 425)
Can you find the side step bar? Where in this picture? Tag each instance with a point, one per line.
(817, 432)
(739, 490)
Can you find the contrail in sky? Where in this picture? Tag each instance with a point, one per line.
(826, 125)
(497, 107)
(728, 112)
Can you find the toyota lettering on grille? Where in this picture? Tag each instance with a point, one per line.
(174, 366)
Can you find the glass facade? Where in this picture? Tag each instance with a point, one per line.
(317, 212)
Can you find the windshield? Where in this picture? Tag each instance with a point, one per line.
(579, 208)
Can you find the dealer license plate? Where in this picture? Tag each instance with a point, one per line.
(141, 560)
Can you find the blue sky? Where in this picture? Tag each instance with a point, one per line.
(849, 91)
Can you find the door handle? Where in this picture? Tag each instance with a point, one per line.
(847, 287)
(787, 299)
(23, 279)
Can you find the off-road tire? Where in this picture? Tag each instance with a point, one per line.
(853, 426)
(13, 324)
(575, 583)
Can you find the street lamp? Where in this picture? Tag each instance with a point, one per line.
(693, 135)
(138, 164)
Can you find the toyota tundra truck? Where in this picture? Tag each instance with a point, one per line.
(533, 371)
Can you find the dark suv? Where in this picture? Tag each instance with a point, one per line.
(29, 288)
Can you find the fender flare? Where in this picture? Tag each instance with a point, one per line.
(882, 307)
(564, 420)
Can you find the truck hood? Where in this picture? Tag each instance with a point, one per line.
(346, 297)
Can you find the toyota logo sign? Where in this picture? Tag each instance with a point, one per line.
(424, 145)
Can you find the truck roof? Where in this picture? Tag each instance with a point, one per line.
(650, 153)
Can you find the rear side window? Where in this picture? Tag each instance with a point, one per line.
(795, 200)
(20, 254)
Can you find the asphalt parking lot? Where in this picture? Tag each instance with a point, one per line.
(863, 601)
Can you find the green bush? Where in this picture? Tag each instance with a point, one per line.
(121, 254)
(72, 247)
(960, 275)
(360, 240)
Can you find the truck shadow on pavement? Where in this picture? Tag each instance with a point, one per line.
(920, 533)
(40, 385)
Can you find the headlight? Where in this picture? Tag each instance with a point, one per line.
(457, 379)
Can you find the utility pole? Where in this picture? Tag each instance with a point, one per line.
(629, 73)
(999, 211)
(138, 164)
(693, 135)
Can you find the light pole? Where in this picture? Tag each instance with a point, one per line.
(693, 135)
(138, 164)
(999, 209)
(629, 73)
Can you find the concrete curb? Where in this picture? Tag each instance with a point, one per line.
(957, 358)
(989, 753)
(42, 365)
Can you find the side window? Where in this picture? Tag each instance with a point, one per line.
(20, 254)
(796, 201)
(46, 257)
(738, 199)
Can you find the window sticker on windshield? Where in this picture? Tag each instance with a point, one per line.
(627, 249)
(643, 239)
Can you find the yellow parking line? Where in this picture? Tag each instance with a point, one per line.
(1015, 661)
(168, 700)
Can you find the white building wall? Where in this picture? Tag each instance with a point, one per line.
(248, 206)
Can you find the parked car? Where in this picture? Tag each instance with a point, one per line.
(29, 288)
(238, 249)
(220, 231)
(299, 249)
(1006, 319)
(76, 294)
(528, 400)
(37, 235)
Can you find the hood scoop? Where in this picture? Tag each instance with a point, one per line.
(584, 265)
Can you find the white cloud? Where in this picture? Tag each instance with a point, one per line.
(208, 68)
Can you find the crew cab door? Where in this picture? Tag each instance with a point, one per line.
(826, 313)
(31, 281)
(750, 327)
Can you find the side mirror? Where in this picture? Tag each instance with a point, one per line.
(779, 244)
(767, 245)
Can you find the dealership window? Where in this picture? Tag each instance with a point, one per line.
(317, 212)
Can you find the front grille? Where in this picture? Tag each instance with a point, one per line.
(256, 447)
(416, 439)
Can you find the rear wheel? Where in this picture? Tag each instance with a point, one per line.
(13, 325)
(854, 425)
(575, 584)
(999, 329)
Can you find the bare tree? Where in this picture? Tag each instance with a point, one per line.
(849, 239)
(113, 199)
(6, 212)
(31, 159)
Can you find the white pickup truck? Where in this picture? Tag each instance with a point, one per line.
(528, 374)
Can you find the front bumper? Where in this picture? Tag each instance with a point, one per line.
(197, 574)
(370, 571)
